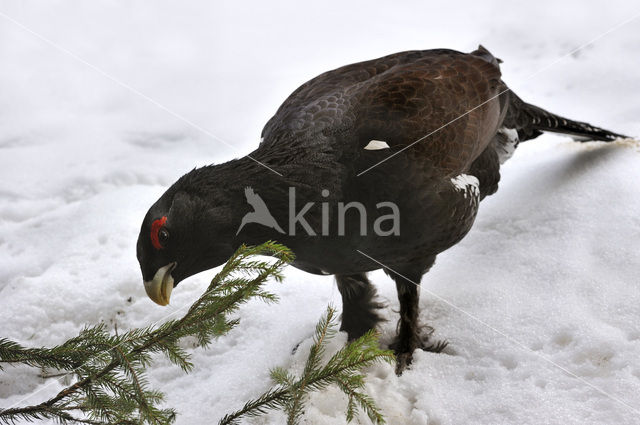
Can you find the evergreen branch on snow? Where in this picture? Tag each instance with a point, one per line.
(111, 386)
(342, 369)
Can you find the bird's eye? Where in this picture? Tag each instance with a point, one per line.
(159, 234)
(163, 236)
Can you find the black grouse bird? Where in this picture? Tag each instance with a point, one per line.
(378, 164)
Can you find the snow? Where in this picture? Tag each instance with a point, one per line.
(540, 302)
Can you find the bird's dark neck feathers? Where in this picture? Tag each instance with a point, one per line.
(229, 179)
(222, 187)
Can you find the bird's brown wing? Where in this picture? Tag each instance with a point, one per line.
(443, 106)
(328, 100)
(329, 87)
(398, 99)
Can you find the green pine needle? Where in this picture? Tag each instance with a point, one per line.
(342, 369)
(111, 385)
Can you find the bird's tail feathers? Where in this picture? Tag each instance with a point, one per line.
(531, 121)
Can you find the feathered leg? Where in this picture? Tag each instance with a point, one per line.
(358, 304)
(410, 334)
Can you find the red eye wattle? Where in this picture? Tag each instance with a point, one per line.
(155, 231)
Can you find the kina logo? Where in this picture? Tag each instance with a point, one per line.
(260, 213)
(297, 221)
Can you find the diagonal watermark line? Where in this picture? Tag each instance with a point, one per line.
(509, 338)
(72, 371)
(433, 132)
(128, 87)
(203, 130)
(544, 68)
(593, 40)
(152, 101)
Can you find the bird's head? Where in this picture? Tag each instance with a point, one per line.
(183, 234)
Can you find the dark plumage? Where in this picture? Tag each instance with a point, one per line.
(466, 121)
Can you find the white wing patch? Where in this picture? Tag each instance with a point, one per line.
(509, 141)
(376, 145)
(467, 184)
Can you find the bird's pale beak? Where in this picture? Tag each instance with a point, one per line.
(159, 289)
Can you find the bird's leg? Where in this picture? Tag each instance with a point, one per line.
(410, 334)
(358, 304)
(408, 338)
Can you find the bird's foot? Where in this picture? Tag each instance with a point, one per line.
(404, 348)
(358, 322)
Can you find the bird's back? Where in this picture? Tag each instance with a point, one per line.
(397, 99)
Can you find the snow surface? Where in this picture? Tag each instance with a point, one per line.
(545, 328)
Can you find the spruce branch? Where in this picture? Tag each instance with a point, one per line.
(111, 385)
(343, 369)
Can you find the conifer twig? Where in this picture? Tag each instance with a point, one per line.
(342, 369)
(111, 385)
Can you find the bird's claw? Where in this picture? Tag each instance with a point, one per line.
(436, 347)
(404, 356)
